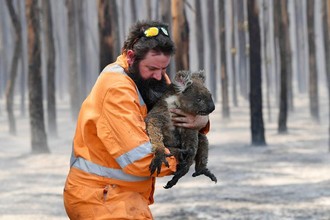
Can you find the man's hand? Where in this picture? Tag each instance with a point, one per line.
(186, 120)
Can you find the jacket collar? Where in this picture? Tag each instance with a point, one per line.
(122, 61)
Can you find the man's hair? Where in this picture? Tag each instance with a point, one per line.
(141, 45)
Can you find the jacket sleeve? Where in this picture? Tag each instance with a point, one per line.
(206, 129)
(122, 130)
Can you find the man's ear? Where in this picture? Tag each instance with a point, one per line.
(130, 57)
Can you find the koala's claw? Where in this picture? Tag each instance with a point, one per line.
(157, 161)
(169, 185)
(207, 173)
(181, 170)
(174, 180)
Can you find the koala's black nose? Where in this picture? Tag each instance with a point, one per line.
(211, 106)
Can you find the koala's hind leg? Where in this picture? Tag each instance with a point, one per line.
(156, 139)
(182, 169)
(187, 155)
(202, 157)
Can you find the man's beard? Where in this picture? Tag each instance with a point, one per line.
(150, 89)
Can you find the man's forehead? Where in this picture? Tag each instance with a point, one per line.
(159, 61)
(156, 65)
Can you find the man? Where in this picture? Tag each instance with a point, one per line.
(109, 176)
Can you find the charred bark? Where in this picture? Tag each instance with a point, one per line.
(51, 87)
(267, 56)
(212, 74)
(224, 74)
(165, 15)
(108, 33)
(281, 8)
(242, 50)
(326, 35)
(13, 69)
(257, 124)
(133, 10)
(199, 35)
(73, 63)
(38, 134)
(233, 52)
(301, 45)
(313, 85)
(180, 30)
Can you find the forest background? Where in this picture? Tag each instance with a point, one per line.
(266, 59)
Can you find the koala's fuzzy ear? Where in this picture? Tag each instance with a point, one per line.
(199, 75)
(182, 81)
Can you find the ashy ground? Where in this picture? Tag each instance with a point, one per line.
(287, 179)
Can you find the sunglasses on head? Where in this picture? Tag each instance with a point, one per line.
(154, 31)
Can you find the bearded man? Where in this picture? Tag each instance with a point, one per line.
(109, 176)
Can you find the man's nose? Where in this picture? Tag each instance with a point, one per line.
(157, 75)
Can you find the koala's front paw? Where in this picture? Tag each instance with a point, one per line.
(206, 172)
(157, 161)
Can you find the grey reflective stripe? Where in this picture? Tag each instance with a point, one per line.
(114, 68)
(140, 98)
(72, 159)
(118, 69)
(99, 170)
(135, 154)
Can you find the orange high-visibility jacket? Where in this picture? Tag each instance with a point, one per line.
(109, 176)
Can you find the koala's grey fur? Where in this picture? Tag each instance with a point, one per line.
(188, 93)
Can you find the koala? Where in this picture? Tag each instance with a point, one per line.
(188, 93)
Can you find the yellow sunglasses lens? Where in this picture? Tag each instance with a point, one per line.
(151, 32)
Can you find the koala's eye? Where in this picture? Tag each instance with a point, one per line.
(199, 99)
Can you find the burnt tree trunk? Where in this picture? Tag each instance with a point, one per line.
(51, 87)
(165, 11)
(149, 10)
(108, 33)
(13, 69)
(73, 63)
(257, 124)
(224, 74)
(281, 8)
(180, 30)
(267, 57)
(199, 35)
(313, 87)
(326, 29)
(83, 53)
(276, 18)
(301, 45)
(23, 57)
(233, 51)
(165, 16)
(3, 54)
(133, 10)
(288, 57)
(38, 134)
(212, 79)
(242, 50)
(105, 31)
